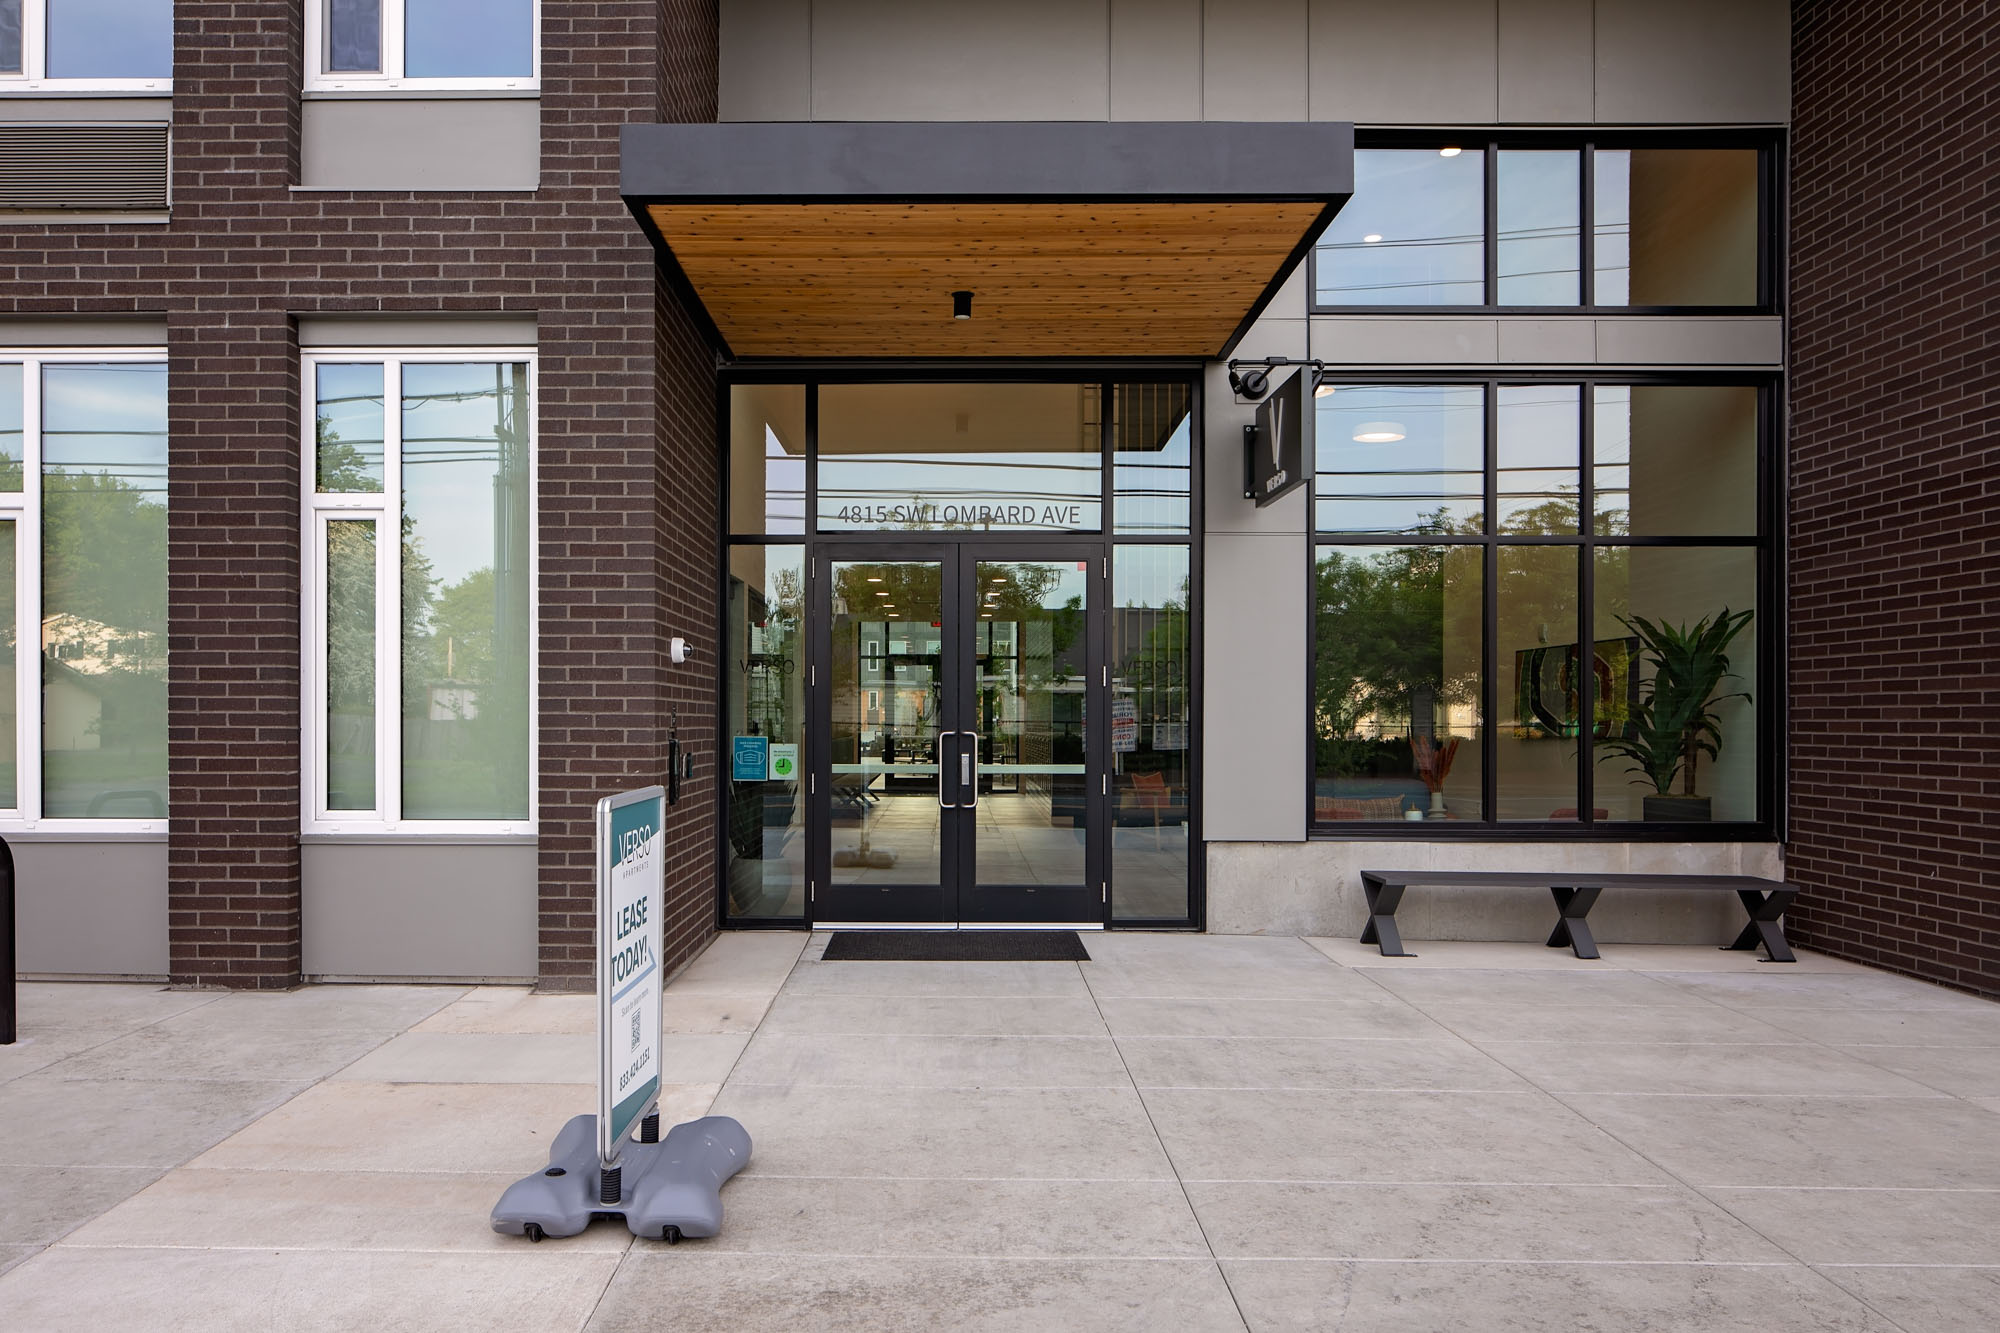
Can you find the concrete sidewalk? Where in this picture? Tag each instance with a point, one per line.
(1187, 1132)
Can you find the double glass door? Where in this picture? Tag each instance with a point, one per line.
(954, 762)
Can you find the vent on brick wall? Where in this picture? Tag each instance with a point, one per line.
(88, 168)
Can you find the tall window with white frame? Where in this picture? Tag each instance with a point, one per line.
(83, 559)
(418, 625)
(421, 45)
(98, 45)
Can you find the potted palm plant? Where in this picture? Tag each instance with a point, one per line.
(1675, 722)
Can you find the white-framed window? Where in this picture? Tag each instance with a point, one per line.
(419, 575)
(83, 575)
(86, 46)
(422, 45)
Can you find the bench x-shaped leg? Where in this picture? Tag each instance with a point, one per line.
(1572, 905)
(1383, 899)
(1766, 925)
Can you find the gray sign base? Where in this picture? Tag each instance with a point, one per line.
(667, 1190)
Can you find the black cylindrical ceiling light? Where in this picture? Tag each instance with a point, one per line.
(961, 305)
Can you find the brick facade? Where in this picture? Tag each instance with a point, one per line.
(244, 254)
(1895, 510)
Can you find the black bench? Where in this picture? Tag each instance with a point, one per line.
(1575, 893)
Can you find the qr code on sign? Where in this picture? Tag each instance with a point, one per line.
(635, 1029)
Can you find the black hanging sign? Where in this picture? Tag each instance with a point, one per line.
(1280, 445)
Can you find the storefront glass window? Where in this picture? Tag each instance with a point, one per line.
(1660, 754)
(1539, 699)
(1540, 206)
(1540, 449)
(1401, 458)
(1673, 226)
(1557, 631)
(764, 673)
(1414, 233)
(1676, 227)
(961, 458)
(1152, 442)
(1152, 732)
(767, 459)
(1397, 683)
(1676, 460)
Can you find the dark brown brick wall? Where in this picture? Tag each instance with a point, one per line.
(242, 255)
(1895, 486)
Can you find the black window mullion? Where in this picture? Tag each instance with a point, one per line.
(1586, 597)
(1587, 228)
(1492, 210)
(812, 460)
(1489, 651)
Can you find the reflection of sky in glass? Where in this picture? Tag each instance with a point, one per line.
(107, 419)
(1539, 199)
(350, 414)
(465, 39)
(1429, 215)
(1540, 447)
(10, 36)
(1612, 227)
(1401, 485)
(111, 39)
(1152, 485)
(453, 458)
(354, 35)
(10, 424)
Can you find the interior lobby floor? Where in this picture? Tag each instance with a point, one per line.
(1186, 1132)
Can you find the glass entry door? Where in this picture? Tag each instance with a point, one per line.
(956, 769)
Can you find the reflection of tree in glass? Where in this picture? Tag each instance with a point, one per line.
(1381, 630)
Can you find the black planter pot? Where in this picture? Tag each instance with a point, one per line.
(1676, 809)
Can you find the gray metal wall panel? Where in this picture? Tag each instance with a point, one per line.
(1254, 641)
(1699, 61)
(1748, 340)
(57, 110)
(1391, 340)
(1545, 64)
(766, 60)
(1254, 60)
(83, 331)
(1413, 62)
(1156, 60)
(1547, 342)
(420, 144)
(447, 910)
(376, 330)
(91, 908)
(962, 60)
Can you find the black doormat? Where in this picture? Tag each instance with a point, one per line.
(955, 946)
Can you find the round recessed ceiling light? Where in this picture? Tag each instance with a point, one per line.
(1449, 152)
(1378, 432)
(1371, 238)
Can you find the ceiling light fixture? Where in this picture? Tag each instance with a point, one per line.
(1379, 432)
(1371, 238)
(961, 305)
(1449, 152)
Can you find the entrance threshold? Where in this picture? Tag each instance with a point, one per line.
(965, 925)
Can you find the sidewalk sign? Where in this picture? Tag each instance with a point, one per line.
(631, 891)
(665, 1188)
